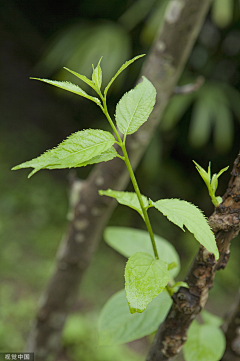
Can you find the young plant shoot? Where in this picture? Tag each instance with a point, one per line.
(152, 261)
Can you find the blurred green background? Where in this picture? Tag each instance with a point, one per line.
(39, 38)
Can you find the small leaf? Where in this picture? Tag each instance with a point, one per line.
(177, 285)
(183, 213)
(205, 176)
(117, 325)
(222, 170)
(97, 76)
(70, 87)
(123, 67)
(135, 107)
(145, 278)
(128, 241)
(129, 199)
(204, 343)
(75, 151)
(82, 77)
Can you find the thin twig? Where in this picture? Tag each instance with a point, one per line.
(189, 88)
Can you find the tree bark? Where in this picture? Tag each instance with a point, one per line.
(188, 303)
(231, 329)
(162, 67)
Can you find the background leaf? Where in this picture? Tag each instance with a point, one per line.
(129, 199)
(183, 213)
(204, 343)
(77, 149)
(117, 325)
(211, 319)
(135, 107)
(145, 278)
(128, 241)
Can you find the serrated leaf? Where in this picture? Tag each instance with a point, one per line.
(117, 325)
(145, 278)
(104, 157)
(186, 214)
(135, 107)
(129, 241)
(70, 87)
(123, 67)
(129, 199)
(75, 151)
(204, 343)
(82, 77)
(97, 76)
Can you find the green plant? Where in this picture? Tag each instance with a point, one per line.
(153, 262)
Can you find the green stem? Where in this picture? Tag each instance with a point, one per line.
(132, 176)
(136, 188)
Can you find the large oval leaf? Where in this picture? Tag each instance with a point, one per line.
(135, 107)
(204, 343)
(77, 149)
(145, 278)
(117, 325)
(186, 214)
(128, 241)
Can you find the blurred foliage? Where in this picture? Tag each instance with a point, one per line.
(84, 44)
(203, 126)
(80, 342)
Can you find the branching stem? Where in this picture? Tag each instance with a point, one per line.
(132, 176)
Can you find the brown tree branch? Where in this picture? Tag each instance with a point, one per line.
(188, 303)
(231, 329)
(163, 67)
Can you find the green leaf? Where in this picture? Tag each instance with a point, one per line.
(70, 87)
(183, 213)
(76, 150)
(145, 278)
(211, 319)
(204, 343)
(135, 107)
(82, 77)
(129, 199)
(205, 176)
(173, 289)
(117, 325)
(222, 12)
(97, 76)
(103, 157)
(123, 67)
(128, 241)
(201, 122)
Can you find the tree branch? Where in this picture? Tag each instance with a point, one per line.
(231, 329)
(163, 67)
(188, 303)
